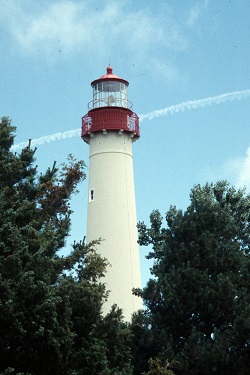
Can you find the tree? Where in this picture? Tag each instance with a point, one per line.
(50, 305)
(198, 304)
(156, 367)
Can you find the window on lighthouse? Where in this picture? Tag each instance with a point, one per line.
(110, 93)
(91, 195)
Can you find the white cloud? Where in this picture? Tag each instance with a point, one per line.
(244, 171)
(194, 15)
(88, 26)
(238, 170)
(46, 28)
(195, 12)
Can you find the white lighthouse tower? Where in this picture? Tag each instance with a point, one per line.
(110, 127)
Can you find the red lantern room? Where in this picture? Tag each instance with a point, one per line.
(110, 108)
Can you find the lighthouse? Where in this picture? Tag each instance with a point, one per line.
(110, 127)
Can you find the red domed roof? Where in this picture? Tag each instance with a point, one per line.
(109, 76)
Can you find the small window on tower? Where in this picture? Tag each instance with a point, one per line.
(91, 195)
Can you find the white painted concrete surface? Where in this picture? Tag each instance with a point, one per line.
(112, 216)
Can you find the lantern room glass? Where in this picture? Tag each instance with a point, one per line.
(110, 93)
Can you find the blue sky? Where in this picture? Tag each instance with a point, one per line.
(190, 58)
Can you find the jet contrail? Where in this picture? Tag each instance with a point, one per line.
(194, 104)
(48, 139)
(188, 105)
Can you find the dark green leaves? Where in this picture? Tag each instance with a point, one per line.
(199, 300)
(50, 305)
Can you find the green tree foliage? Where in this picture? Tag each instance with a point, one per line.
(157, 368)
(50, 305)
(198, 303)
